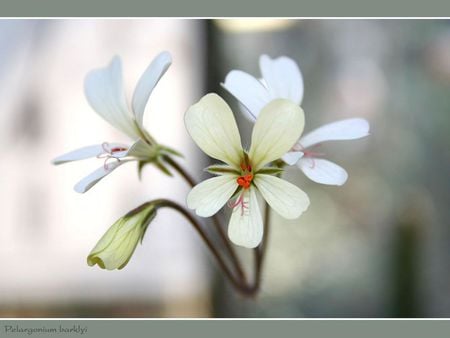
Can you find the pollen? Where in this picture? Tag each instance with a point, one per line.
(245, 181)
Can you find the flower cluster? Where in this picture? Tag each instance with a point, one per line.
(105, 93)
(272, 103)
(281, 78)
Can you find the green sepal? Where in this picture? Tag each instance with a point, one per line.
(116, 247)
(170, 151)
(279, 163)
(270, 171)
(141, 165)
(145, 226)
(162, 167)
(220, 169)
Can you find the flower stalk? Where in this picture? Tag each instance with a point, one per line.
(242, 285)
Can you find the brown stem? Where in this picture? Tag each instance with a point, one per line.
(161, 203)
(215, 218)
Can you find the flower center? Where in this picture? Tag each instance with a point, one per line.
(109, 153)
(245, 181)
(246, 178)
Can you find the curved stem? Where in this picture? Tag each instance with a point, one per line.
(163, 203)
(215, 219)
(180, 170)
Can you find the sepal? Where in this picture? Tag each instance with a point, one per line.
(270, 171)
(115, 248)
(219, 169)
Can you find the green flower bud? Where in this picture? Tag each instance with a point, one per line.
(115, 248)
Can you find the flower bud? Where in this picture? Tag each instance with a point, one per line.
(115, 248)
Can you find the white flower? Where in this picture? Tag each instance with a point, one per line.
(211, 124)
(282, 79)
(316, 168)
(105, 93)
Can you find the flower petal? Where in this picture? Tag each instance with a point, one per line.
(285, 198)
(88, 152)
(246, 225)
(211, 124)
(292, 157)
(79, 154)
(323, 171)
(104, 92)
(90, 180)
(282, 77)
(276, 130)
(147, 82)
(209, 196)
(348, 129)
(248, 90)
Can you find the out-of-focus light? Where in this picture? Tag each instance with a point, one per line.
(437, 57)
(361, 87)
(254, 25)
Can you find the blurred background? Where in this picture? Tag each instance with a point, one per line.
(378, 246)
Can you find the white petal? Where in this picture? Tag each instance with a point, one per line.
(147, 82)
(104, 92)
(209, 196)
(285, 198)
(88, 152)
(323, 171)
(246, 225)
(89, 181)
(248, 90)
(276, 130)
(211, 124)
(282, 77)
(348, 129)
(79, 154)
(247, 114)
(292, 157)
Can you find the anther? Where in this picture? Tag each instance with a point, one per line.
(245, 181)
(117, 149)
